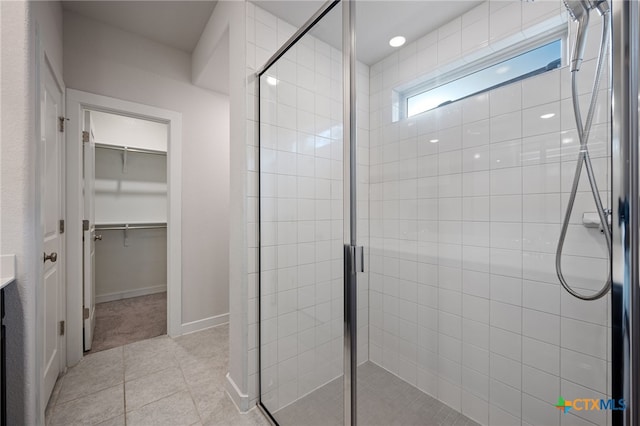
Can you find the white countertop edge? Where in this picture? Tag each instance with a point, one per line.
(7, 269)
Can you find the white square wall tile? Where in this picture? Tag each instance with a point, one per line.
(505, 316)
(450, 394)
(449, 48)
(506, 127)
(475, 382)
(476, 359)
(475, 108)
(450, 371)
(540, 384)
(498, 416)
(506, 262)
(475, 308)
(476, 283)
(475, 333)
(476, 184)
(544, 148)
(541, 208)
(542, 119)
(506, 181)
(476, 234)
(537, 412)
(475, 408)
(541, 326)
(506, 343)
(506, 208)
(476, 258)
(583, 369)
(506, 289)
(541, 296)
(506, 398)
(476, 133)
(541, 89)
(475, 36)
(476, 159)
(476, 208)
(583, 337)
(506, 154)
(506, 370)
(506, 99)
(505, 21)
(506, 235)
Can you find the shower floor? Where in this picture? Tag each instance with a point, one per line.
(383, 400)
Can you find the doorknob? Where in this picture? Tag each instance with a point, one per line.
(53, 257)
(97, 237)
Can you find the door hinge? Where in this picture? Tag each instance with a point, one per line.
(85, 136)
(86, 313)
(61, 226)
(61, 121)
(85, 225)
(62, 328)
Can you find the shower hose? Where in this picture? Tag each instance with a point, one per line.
(584, 158)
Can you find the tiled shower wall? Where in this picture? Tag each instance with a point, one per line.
(301, 210)
(466, 203)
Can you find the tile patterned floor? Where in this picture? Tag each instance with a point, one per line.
(174, 382)
(383, 400)
(160, 381)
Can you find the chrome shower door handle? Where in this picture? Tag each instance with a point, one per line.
(359, 255)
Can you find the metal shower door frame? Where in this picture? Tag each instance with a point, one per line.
(625, 265)
(351, 251)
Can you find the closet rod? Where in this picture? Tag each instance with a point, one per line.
(138, 150)
(124, 227)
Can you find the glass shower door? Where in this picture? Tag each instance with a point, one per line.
(301, 228)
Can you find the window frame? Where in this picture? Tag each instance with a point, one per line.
(402, 96)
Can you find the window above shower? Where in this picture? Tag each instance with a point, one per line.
(490, 73)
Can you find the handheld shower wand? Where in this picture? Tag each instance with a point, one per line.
(579, 11)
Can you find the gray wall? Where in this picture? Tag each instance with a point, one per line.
(105, 60)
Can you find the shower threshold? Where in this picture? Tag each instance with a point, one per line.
(383, 399)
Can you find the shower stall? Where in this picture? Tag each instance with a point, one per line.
(448, 213)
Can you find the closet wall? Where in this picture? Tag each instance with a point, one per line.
(130, 189)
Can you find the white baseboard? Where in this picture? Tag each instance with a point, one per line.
(110, 297)
(240, 399)
(193, 326)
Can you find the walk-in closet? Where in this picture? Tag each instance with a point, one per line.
(129, 254)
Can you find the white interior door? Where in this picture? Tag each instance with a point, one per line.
(89, 287)
(51, 186)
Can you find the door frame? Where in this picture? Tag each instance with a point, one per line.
(77, 102)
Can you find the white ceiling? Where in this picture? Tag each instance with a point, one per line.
(177, 24)
(376, 21)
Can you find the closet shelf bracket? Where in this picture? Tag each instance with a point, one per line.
(125, 151)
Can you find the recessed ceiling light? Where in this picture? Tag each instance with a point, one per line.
(545, 116)
(397, 41)
(434, 140)
(272, 80)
